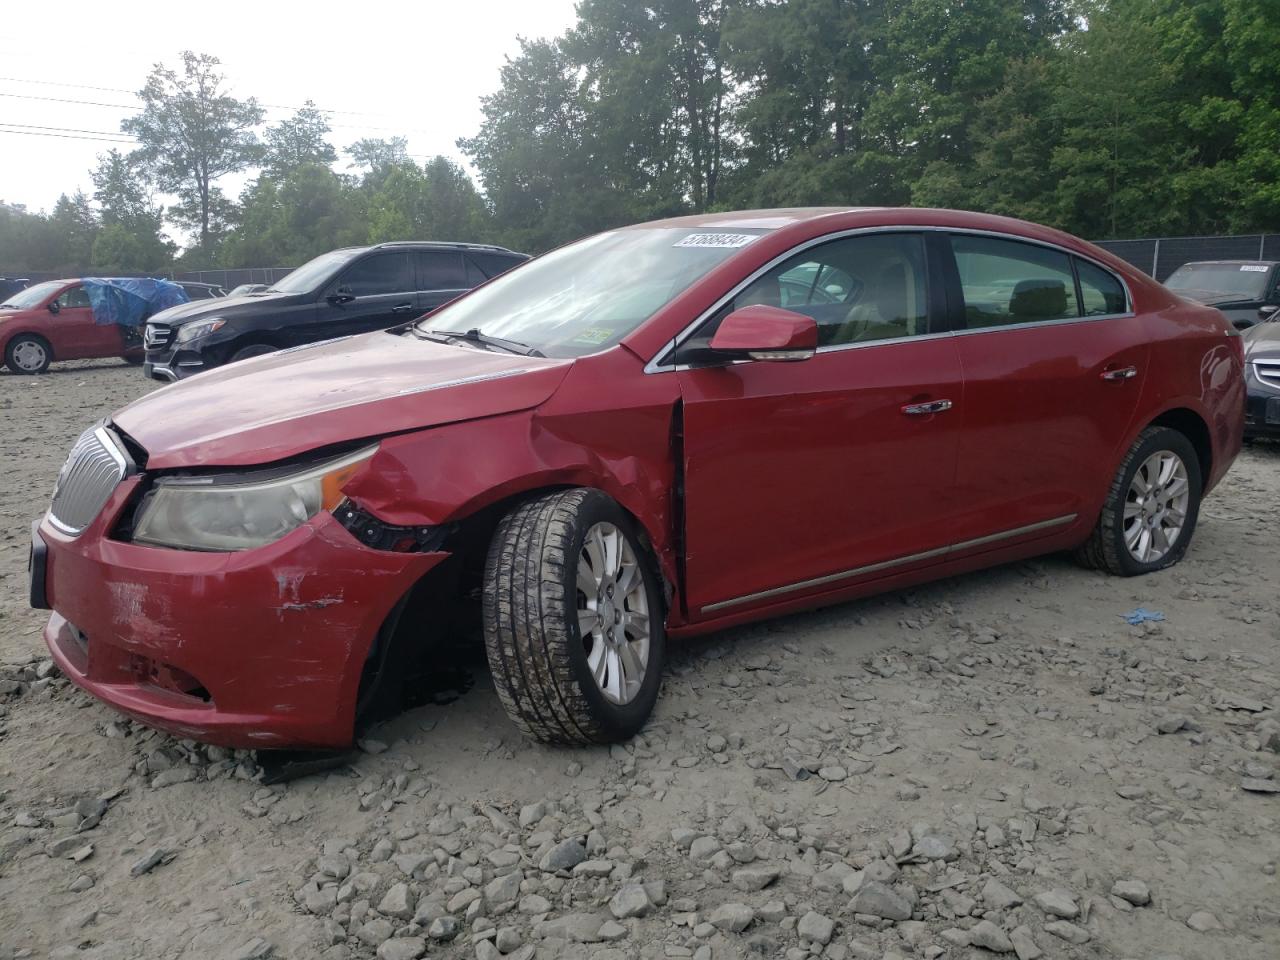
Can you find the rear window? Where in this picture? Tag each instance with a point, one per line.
(495, 263)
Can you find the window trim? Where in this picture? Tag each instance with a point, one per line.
(656, 364)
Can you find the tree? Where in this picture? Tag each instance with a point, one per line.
(438, 202)
(297, 140)
(377, 157)
(132, 236)
(191, 133)
(291, 218)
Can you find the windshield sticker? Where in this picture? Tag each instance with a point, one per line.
(717, 240)
(1253, 268)
(593, 335)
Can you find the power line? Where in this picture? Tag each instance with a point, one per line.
(62, 136)
(104, 133)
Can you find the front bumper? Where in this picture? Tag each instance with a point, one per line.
(1262, 414)
(173, 364)
(263, 648)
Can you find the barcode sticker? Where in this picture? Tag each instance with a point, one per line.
(1254, 268)
(717, 240)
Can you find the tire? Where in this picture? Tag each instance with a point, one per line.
(1107, 547)
(28, 354)
(253, 350)
(135, 361)
(533, 623)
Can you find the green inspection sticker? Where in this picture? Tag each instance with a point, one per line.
(593, 335)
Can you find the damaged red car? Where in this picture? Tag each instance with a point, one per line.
(651, 433)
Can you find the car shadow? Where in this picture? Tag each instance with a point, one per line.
(73, 368)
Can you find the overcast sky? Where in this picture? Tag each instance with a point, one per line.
(416, 70)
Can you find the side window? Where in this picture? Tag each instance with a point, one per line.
(75, 297)
(1101, 294)
(858, 289)
(441, 271)
(495, 263)
(381, 273)
(475, 276)
(1006, 282)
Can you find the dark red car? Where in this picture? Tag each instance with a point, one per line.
(54, 321)
(655, 432)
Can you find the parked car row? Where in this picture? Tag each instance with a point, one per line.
(658, 431)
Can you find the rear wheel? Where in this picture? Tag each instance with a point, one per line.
(1151, 510)
(573, 619)
(27, 354)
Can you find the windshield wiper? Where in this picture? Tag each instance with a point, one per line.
(475, 336)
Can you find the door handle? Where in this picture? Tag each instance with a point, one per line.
(924, 409)
(1120, 374)
(402, 308)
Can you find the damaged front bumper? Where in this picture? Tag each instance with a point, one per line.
(261, 648)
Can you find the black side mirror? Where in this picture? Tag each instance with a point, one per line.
(1267, 312)
(55, 307)
(341, 295)
(1242, 323)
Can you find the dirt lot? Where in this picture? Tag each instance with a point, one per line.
(992, 764)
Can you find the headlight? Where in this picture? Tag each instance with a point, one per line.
(201, 328)
(239, 512)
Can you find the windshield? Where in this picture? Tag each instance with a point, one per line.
(315, 272)
(32, 296)
(589, 295)
(1248, 280)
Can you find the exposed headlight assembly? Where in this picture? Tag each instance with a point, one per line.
(227, 512)
(200, 328)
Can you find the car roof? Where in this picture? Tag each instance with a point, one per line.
(440, 245)
(1230, 263)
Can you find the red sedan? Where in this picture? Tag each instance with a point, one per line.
(54, 321)
(655, 432)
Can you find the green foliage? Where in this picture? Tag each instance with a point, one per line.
(298, 140)
(437, 202)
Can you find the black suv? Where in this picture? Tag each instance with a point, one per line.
(1247, 291)
(348, 291)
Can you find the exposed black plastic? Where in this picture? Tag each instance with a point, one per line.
(374, 533)
(37, 563)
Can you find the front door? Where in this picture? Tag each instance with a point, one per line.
(374, 293)
(1053, 372)
(74, 335)
(803, 478)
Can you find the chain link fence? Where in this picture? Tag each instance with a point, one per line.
(1160, 256)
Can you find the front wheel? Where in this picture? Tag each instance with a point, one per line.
(28, 354)
(253, 350)
(573, 619)
(1151, 509)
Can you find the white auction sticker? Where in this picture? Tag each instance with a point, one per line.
(717, 240)
(1254, 268)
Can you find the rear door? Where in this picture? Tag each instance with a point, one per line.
(1053, 361)
(74, 335)
(808, 477)
(375, 292)
(442, 275)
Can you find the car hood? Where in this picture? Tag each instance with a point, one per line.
(283, 404)
(1263, 338)
(219, 307)
(1213, 298)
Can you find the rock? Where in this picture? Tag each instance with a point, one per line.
(1256, 785)
(999, 897)
(1024, 944)
(152, 859)
(990, 937)
(934, 847)
(704, 848)
(397, 902)
(531, 813)
(411, 863)
(1203, 921)
(577, 927)
(1058, 903)
(631, 901)
(732, 917)
(371, 746)
(717, 743)
(877, 900)
(463, 899)
(1134, 891)
(64, 846)
(1131, 791)
(611, 930)
(255, 949)
(1068, 932)
(503, 890)
(1168, 725)
(321, 902)
(815, 928)
(753, 878)
(833, 773)
(565, 855)
(167, 778)
(402, 948)
(485, 950)
(534, 904)
(507, 940)
(444, 929)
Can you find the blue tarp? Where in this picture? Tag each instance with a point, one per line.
(129, 301)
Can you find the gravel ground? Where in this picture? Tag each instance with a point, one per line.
(993, 764)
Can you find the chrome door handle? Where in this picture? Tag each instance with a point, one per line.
(402, 308)
(923, 409)
(1122, 373)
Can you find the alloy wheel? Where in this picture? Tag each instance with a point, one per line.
(1155, 508)
(613, 613)
(29, 355)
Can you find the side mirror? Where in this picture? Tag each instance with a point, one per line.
(55, 307)
(1267, 312)
(1242, 323)
(341, 295)
(760, 332)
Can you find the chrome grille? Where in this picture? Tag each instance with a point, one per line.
(1268, 371)
(157, 336)
(92, 471)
